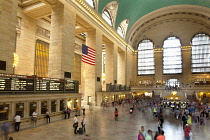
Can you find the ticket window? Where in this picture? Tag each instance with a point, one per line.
(62, 102)
(20, 109)
(89, 100)
(32, 108)
(4, 111)
(43, 107)
(53, 106)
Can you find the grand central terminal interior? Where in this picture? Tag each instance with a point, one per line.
(92, 56)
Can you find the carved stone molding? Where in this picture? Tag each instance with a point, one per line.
(42, 32)
(78, 49)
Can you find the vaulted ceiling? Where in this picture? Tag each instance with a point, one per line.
(135, 9)
(158, 19)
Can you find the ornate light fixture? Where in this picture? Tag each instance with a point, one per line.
(6, 108)
(16, 60)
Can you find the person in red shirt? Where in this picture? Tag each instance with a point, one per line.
(161, 136)
(187, 130)
(116, 114)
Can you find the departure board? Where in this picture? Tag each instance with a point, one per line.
(17, 84)
(70, 86)
(42, 84)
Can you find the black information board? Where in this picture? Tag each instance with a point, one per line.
(16, 84)
(42, 84)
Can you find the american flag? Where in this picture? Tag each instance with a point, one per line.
(88, 55)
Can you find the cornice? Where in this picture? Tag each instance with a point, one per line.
(95, 17)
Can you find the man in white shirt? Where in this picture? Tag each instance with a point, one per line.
(149, 135)
(17, 122)
(75, 124)
(34, 118)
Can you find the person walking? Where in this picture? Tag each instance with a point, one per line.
(149, 135)
(6, 127)
(83, 123)
(116, 114)
(47, 116)
(17, 122)
(34, 118)
(68, 112)
(75, 124)
(140, 135)
(161, 136)
(143, 131)
(187, 130)
(65, 112)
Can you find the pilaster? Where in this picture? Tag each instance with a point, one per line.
(111, 63)
(61, 57)
(8, 18)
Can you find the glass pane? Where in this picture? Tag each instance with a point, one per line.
(106, 16)
(172, 59)
(91, 3)
(146, 64)
(200, 53)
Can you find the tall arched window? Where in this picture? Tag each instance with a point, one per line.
(91, 3)
(146, 63)
(200, 53)
(107, 17)
(172, 58)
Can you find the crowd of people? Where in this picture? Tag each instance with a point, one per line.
(192, 113)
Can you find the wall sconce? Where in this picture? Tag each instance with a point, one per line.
(76, 100)
(6, 108)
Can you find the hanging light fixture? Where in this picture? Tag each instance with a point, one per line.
(34, 104)
(21, 106)
(6, 108)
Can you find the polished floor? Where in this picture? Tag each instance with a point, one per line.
(101, 125)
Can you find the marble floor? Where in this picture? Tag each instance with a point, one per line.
(101, 125)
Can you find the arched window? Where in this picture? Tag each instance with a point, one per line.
(120, 31)
(200, 53)
(172, 59)
(146, 63)
(91, 3)
(107, 17)
(122, 28)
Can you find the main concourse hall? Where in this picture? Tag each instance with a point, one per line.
(148, 60)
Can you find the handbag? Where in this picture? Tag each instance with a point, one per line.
(75, 125)
(190, 134)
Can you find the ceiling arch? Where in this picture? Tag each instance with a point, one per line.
(179, 19)
(135, 9)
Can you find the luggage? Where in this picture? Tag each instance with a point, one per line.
(80, 131)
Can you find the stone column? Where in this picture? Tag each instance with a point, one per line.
(39, 107)
(135, 81)
(121, 67)
(8, 18)
(12, 110)
(58, 105)
(111, 63)
(91, 72)
(186, 67)
(158, 65)
(129, 67)
(49, 102)
(26, 108)
(61, 57)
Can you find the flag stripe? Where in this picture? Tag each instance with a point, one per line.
(88, 55)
